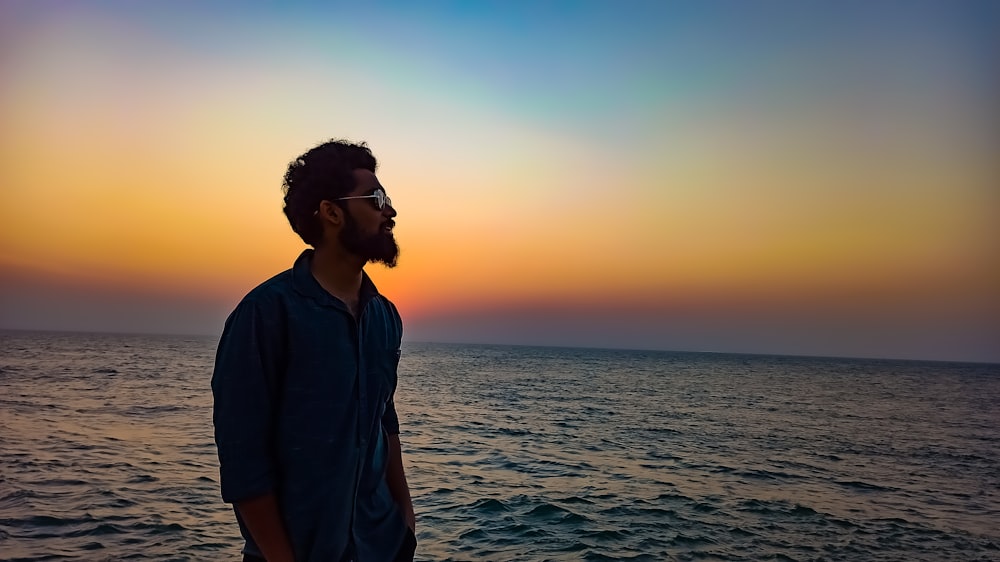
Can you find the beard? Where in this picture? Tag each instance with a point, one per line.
(381, 247)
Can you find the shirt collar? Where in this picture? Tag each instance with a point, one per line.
(306, 284)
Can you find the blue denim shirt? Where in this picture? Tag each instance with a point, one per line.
(303, 405)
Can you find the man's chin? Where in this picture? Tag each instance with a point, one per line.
(381, 249)
(389, 254)
(389, 259)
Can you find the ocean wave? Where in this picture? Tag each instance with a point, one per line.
(529, 455)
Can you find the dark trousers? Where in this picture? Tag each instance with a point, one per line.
(405, 554)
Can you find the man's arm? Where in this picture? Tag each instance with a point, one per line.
(263, 518)
(243, 385)
(396, 479)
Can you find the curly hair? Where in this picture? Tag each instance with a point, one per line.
(324, 172)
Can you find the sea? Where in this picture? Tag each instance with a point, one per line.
(528, 453)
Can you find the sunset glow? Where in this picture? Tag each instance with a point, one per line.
(817, 180)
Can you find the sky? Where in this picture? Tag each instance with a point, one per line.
(807, 178)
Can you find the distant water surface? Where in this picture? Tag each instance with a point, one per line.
(521, 453)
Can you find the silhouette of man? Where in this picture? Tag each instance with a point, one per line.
(305, 373)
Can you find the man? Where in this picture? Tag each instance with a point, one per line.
(304, 380)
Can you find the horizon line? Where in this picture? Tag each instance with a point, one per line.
(547, 346)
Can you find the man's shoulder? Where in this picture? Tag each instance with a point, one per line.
(275, 289)
(388, 304)
(385, 299)
(385, 312)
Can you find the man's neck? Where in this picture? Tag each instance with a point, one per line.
(339, 273)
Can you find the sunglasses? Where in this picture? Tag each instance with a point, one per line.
(381, 199)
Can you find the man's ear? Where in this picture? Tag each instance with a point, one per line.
(330, 211)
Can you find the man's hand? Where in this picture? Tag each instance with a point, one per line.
(263, 518)
(396, 479)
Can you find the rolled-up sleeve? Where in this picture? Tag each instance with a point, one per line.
(244, 386)
(390, 421)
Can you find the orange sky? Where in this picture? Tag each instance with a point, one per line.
(839, 196)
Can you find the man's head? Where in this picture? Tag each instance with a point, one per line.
(332, 197)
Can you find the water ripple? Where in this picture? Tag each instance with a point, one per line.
(528, 454)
